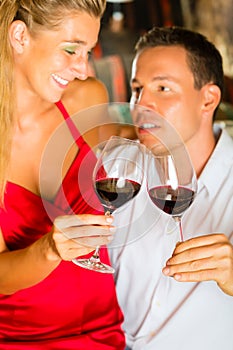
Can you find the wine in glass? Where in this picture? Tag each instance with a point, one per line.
(117, 178)
(171, 189)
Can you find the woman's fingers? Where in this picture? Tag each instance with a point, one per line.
(77, 235)
(62, 222)
(77, 232)
(68, 249)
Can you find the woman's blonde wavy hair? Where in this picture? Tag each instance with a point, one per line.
(36, 14)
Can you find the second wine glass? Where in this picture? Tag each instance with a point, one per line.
(171, 189)
(117, 178)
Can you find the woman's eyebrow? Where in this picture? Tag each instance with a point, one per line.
(79, 42)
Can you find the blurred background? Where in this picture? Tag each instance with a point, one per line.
(125, 20)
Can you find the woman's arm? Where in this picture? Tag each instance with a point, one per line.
(70, 237)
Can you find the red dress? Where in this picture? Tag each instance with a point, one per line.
(73, 308)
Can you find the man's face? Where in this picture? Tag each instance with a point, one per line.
(163, 82)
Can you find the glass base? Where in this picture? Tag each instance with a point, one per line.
(93, 264)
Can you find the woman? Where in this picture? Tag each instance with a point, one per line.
(46, 301)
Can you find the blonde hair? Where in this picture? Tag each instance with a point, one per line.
(35, 14)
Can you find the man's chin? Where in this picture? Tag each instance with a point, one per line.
(153, 145)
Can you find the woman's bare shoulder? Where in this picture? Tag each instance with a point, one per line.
(3, 247)
(83, 94)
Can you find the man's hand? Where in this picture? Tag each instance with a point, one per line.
(203, 258)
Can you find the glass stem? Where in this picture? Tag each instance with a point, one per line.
(95, 258)
(179, 224)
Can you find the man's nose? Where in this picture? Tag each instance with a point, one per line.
(147, 99)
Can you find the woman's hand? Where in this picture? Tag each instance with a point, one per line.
(76, 235)
(203, 258)
(70, 237)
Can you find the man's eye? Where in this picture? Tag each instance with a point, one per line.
(164, 88)
(136, 90)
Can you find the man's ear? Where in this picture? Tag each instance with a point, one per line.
(211, 98)
(18, 35)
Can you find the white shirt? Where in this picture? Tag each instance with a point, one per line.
(161, 313)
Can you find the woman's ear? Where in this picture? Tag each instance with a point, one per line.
(212, 98)
(18, 35)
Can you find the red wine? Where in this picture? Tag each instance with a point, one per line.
(173, 202)
(114, 192)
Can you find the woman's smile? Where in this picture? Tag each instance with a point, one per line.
(60, 81)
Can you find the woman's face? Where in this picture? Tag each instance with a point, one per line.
(48, 62)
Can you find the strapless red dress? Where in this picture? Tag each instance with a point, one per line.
(73, 308)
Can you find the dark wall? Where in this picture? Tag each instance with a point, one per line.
(141, 15)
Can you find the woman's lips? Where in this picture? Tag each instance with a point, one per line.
(60, 81)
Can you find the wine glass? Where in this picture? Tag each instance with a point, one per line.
(117, 178)
(170, 188)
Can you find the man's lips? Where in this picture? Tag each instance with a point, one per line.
(148, 128)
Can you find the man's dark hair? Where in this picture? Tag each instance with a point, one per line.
(203, 58)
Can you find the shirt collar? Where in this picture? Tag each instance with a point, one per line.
(219, 165)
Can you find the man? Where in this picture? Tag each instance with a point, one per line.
(180, 295)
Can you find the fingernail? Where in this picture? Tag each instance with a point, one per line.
(166, 270)
(109, 219)
(112, 229)
(177, 277)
